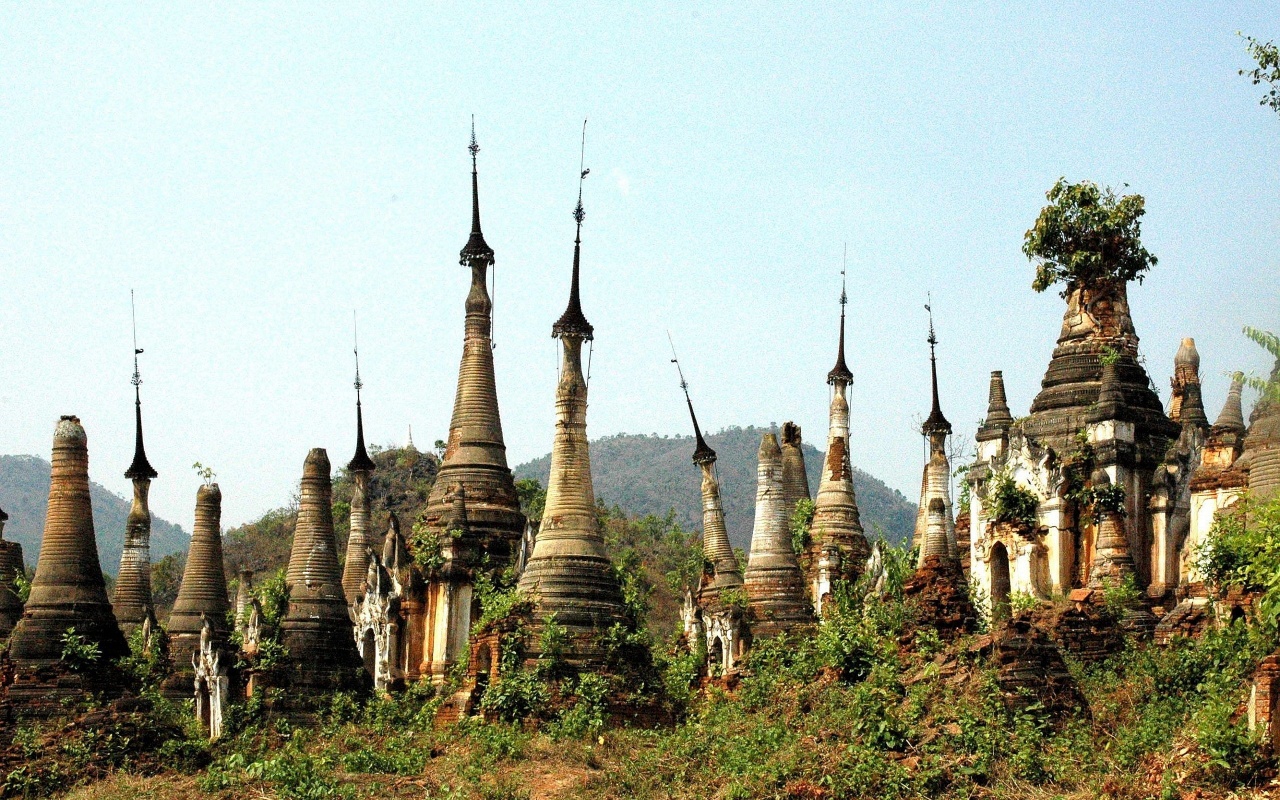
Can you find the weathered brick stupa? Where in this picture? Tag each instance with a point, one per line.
(132, 602)
(838, 549)
(776, 600)
(68, 590)
(475, 459)
(10, 565)
(359, 546)
(202, 596)
(714, 617)
(569, 576)
(795, 480)
(316, 630)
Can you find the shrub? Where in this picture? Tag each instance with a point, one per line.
(801, 522)
(1010, 502)
(79, 653)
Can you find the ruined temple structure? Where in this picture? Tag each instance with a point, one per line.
(776, 598)
(68, 591)
(714, 615)
(568, 576)
(475, 460)
(198, 629)
(837, 548)
(1111, 471)
(132, 602)
(378, 614)
(10, 566)
(316, 629)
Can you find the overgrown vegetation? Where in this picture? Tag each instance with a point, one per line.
(801, 522)
(1010, 502)
(1267, 71)
(1087, 237)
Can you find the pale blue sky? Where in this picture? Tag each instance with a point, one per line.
(256, 171)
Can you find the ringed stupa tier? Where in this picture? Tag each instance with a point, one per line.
(316, 629)
(359, 542)
(68, 590)
(475, 455)
(1097, 323)
(10, 565)
(1262, 444)
(776, 598)
(203, 594)
(569, 575)
(837, 527)
(795, 480)
(133, 602)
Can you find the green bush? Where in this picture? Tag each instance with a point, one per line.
(1010, 503)
(78, 653)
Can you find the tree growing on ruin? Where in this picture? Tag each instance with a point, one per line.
(1087, 237)
(1267, 56)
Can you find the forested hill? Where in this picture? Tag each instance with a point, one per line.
(24, 495)
(651, 474)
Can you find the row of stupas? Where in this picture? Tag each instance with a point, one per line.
(399, 612)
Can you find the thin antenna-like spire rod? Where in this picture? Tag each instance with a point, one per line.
(355, 338)
(578, 213)
(137, 376)
(703, 451)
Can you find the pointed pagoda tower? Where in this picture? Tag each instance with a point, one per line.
(475, 459)
(68, 590)
(935, 527)
(475, 456)
(838, 549)
(716, 549)
(360, 468)
(317, 629)
(202, 596)
(569, 574)
(133, 603)
(795, 479)
(10, 565)
(1262, 445)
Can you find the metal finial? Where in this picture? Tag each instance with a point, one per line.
(355, 338)
(474, 147)
(844, 269)
(578, 213)
(928, 306)
(684, 385)
(133, 311)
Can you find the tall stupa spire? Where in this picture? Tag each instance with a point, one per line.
(776, 597)
(935, 533)
(475, 455)
(837, 527)
(360, 467)
(133, 603)
(569, 573)
(715, 537)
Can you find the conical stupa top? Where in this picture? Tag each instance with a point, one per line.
(998, 415)
(1232, 417)
(936, 423)
(476, 249)
(573, 322)
(360, 462)
(313, 559)
(68, 589)
(702, 452)
(1186, 362)
(840, 372)
(141, 467)
(204, 583)
(1192, 411)
(3, 519)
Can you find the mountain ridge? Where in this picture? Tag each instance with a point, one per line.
(649, 474)
(24, 495)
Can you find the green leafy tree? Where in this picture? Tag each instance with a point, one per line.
(1087, 237)
(1267, 72)
(1268, 388)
